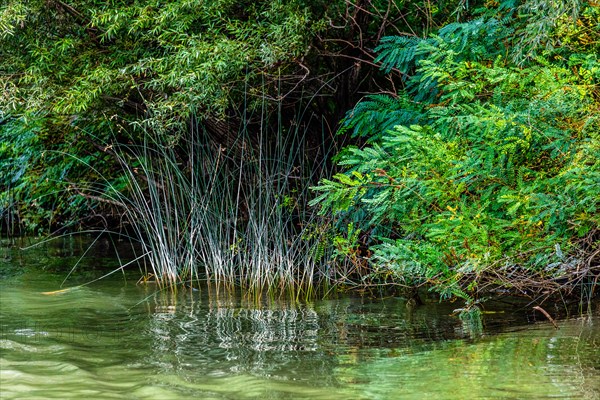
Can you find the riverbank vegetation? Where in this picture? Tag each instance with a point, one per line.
(286, 144)
(483, 172)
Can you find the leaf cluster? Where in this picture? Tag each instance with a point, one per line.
(483, 165)
(155, 57)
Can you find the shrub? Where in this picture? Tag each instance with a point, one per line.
(484, 171)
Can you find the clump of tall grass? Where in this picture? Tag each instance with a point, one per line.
(200, 212)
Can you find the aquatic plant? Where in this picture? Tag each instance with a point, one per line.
(205, 212)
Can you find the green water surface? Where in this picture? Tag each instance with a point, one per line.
(115, 339)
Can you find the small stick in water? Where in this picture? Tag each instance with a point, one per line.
(540, 309)
(61, 291)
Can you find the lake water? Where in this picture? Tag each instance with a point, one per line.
(115, 339)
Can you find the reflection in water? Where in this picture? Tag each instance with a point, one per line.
(218, 337)
(117, 340)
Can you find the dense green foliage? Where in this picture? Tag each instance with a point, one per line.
(160, 58)
(477, 168)
(485, 170)
(79, 75)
